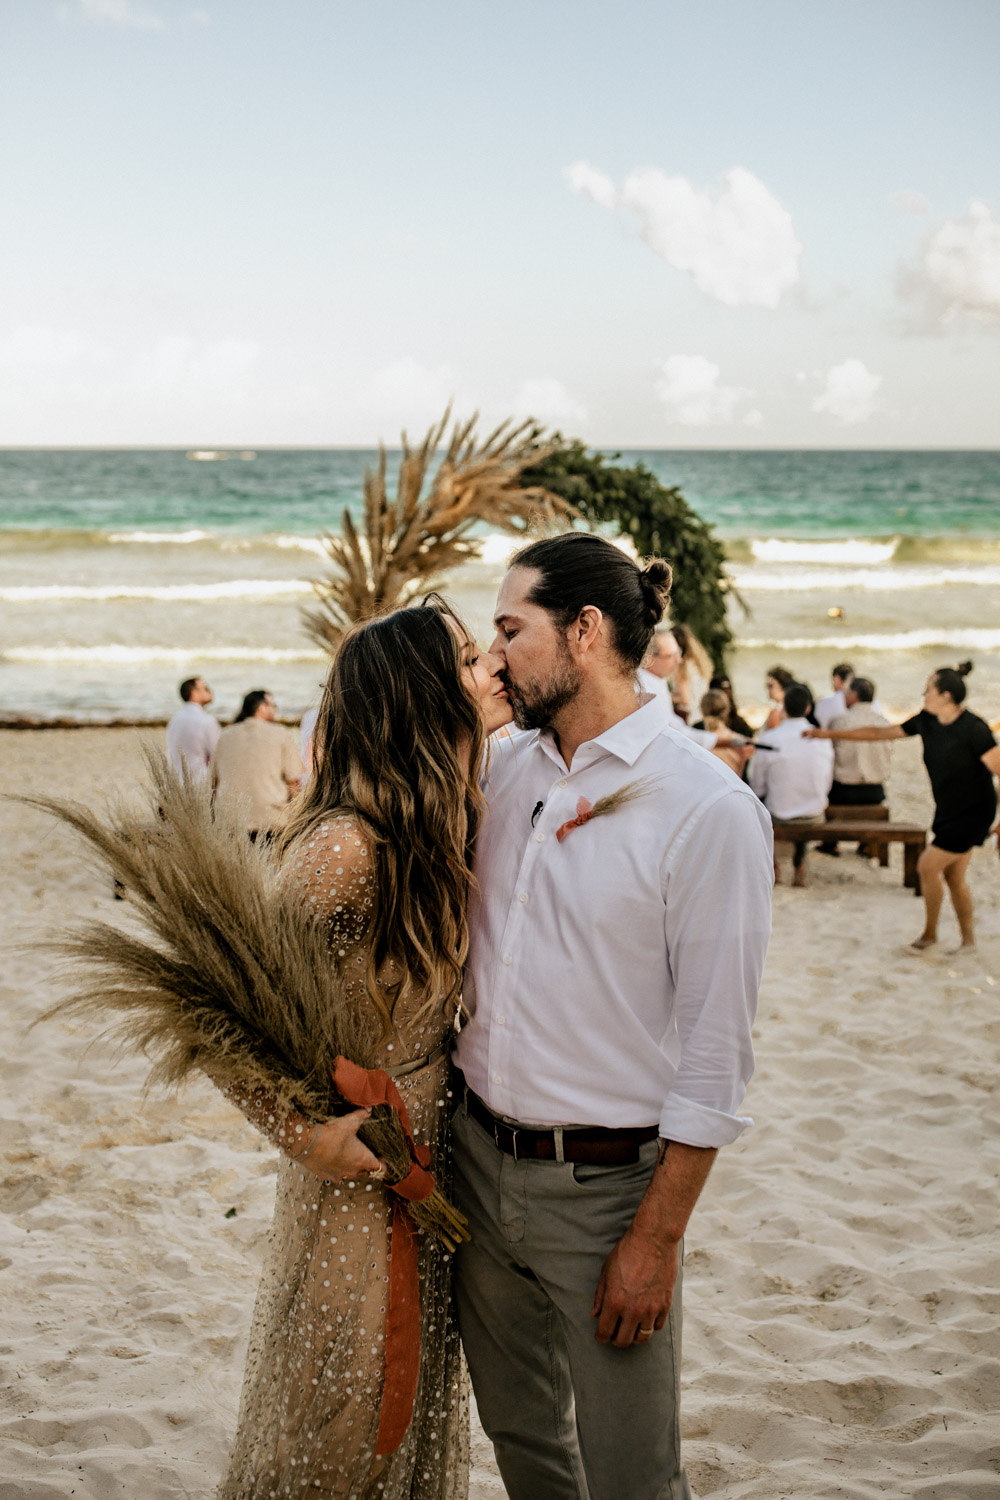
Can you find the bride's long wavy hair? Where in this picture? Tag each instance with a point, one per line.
(394, 721)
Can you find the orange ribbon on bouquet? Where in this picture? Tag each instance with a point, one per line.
(366, 1087)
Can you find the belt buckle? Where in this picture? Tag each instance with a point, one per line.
(513, 1142)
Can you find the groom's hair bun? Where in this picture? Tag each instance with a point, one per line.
(580, 568)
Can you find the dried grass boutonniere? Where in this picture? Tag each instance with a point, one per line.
(586, 811)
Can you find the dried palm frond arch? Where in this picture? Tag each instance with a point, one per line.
(407, 542)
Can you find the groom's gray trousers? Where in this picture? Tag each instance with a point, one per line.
(569, 1418)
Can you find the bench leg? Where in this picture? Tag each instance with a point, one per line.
(911, 878)
(883, 855)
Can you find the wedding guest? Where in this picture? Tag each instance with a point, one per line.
(721, 683)
(690, 677)
(834, 703)
(192, 733)
(257, 765)
(791, 779)
(860, 767)
(775, 683)
(659, 663)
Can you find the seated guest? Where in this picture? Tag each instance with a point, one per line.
(777, 679)
(735, 720)
(834, 703)
(860, 767)
(792, 783)
(716, 708)
(257, 767)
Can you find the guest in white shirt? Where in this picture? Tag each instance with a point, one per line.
(615, 954)
(660, 662)
(834, 703)
(192, 733)
(792, 782)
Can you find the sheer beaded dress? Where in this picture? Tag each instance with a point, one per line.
(312, 1392)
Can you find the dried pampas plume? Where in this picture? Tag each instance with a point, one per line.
(224, 971)
(405, 544)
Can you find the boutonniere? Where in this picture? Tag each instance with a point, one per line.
(585, 810)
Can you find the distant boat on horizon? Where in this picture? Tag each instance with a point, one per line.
(217, 455)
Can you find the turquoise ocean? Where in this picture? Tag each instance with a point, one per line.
(122, 572)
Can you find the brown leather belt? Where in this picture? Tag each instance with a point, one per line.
(592, 1144)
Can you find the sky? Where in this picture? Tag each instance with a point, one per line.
(735, 223)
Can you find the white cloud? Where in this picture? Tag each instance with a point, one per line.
(958, 278)
(739, 247)
(181, 364)
(908, 202)
(407, 395)
(850, 392)
(38, 348)
(754, 419)
(690, 391)
(549, 401)
(114, 13)
(598, 187)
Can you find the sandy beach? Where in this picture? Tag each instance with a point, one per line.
(841, 1289)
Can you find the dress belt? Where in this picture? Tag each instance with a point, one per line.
(595, 1145)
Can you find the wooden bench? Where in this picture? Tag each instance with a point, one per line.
(868, 831)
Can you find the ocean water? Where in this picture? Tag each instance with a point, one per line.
(122, 572)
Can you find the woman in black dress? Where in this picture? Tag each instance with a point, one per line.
(962, 758)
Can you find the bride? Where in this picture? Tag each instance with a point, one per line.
(379, 848)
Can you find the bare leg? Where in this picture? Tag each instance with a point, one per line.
(961, 897)
(799, 865)
(931, 867)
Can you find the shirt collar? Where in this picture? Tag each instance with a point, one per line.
(626, 740)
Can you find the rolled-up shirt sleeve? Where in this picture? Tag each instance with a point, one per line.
(717, 886)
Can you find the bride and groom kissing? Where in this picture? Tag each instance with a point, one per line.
(556, 931)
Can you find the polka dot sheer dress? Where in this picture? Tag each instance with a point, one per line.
(316, 1364)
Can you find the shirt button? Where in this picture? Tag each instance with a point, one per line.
(501, 1020)
(564, 782)
(522, 896)
(539, 838)
(497, 1078)
(508, 959)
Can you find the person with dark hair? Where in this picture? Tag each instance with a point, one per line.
(617, 935)
(777, 679)
(834, 703)
(962, 759)
(377, 848)
(792, 778)
(192, 733)
(734, 719)
(257, 763)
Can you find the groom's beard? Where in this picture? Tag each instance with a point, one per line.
(535, 704)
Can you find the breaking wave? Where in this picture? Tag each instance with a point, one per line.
(137, 655)
(903, 640)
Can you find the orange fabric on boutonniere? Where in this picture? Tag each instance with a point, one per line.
(584, 813)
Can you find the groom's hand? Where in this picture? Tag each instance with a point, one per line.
(635, 1290)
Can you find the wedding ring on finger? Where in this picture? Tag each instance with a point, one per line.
(644, 1333)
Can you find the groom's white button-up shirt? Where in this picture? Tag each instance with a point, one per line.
(613, 976)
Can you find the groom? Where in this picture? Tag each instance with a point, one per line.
(615, 954)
